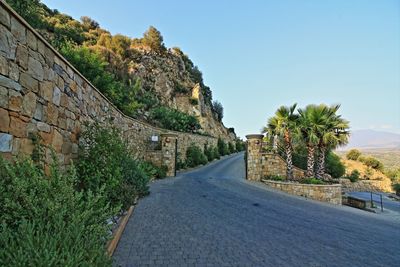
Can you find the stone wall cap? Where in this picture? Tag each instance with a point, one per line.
(300, 184)
(255, 136)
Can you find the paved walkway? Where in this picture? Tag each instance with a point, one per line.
(213, 217)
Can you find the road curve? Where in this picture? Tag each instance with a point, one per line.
(211, 216)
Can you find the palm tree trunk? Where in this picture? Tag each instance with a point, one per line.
(321, 162)
(310, 161)
(289, 156)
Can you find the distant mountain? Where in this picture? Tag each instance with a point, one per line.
(370, 139)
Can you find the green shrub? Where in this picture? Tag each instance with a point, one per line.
(334, 166)
(222, 147)
(396, 187)
(194, 156)
(275, 178)
(180, 89)
(209, 152)
(231, 148)
(175, 120)
(48, 213)
(311, 180)
(194, 101)
(154, 171)
(104, 161)
(240, 145)
(354, 176)
(372, 162)
(218, 110)
(353, 154)
(216, 153)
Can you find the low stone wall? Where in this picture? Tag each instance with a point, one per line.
(325, 193)
(41, 92)
(365, 186)
(274, 164)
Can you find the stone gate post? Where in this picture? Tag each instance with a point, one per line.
(254, 158)
(168, 149)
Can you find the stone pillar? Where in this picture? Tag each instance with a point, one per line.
(169, 143)
(254, 158)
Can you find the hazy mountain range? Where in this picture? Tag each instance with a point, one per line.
(371, 139)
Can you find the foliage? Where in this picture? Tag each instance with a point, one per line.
(153, 39)
(218, 109)
(354, 176)
(174, 119)
(180, 89)
(92, 66)
(194, 101)
(394, 175)
(353, 154)
(311, 180)
(104, 161)
(334, 166)
(396, 187)
(47, 212)
(275, 178)
(209, 152)
(216, 153)
(372, 162)
(240, 145)
(222, 147)
(231, 148)
(194, 156)
(154, 171)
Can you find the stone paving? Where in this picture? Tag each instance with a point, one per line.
(213, 217)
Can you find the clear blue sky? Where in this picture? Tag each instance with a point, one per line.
(258, 55)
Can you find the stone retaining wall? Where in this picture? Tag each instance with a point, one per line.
(326, 193)
(274, 164)
(365, 185)
(41, 92)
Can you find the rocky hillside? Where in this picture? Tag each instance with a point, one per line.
(369, 177)
(140, 76)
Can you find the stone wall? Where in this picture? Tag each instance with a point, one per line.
(274, 164)
(326, 193)
(40, 92)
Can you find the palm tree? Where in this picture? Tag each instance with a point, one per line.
(283, 124)
(311, 122)
(334, 133)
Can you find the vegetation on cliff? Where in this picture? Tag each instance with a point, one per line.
(119, 66)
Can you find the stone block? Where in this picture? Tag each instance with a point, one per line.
(5, 18)
(57, 141)
(46, 90)
(29, 83)
(38, 114)
(51, 114)
(43, 127)
(56, 96)
(18, 127)
(7, 44)
(35, 68)
(6, 141)
(3, 97)
(14, 71)
(9, 83)
(25, 146)
(4, 120)
(3, 66)
(15, 101)
(18, 30)
(32, 40)
(29, 104)
(22, 56)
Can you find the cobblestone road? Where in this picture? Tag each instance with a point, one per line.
(212, 217)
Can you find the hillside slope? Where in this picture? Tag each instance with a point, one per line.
(140, 76)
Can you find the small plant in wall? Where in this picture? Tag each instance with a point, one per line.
(194, 101)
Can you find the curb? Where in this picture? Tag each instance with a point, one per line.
(113, 243)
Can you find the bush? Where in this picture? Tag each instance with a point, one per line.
(104, 161)
(222, 147)
(175, 120)
(275, 178)
(194, 156)
(154, 171)
(354, 176)
(372, 162)
(334, 166)
(218, 110)
(231, 148)
(353, 154)
(240, 145)
(194, 101)
(216, 153)
(47, 212)
(396, 187)
(311, 180)
(209, 152)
